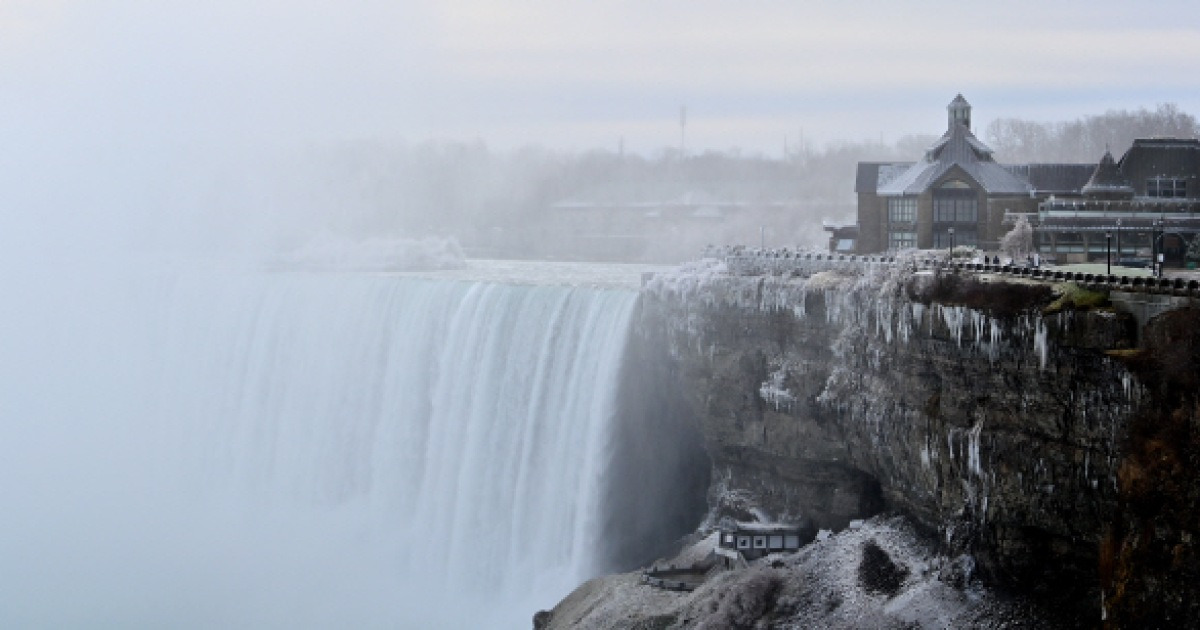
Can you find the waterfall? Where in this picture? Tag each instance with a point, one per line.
(336, 450)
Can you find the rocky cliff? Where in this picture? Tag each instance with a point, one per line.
(1012, 427)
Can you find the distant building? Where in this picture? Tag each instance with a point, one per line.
(673, 219)
(1146, 204)
(843, 237)
(955, 194)
(755, 540)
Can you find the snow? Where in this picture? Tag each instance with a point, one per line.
(973, 461)
(817, 587)
(1040, 345)
(773, 391)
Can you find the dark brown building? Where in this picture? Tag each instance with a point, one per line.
(1130, 210)
(955, 194)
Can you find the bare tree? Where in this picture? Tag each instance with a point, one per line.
(1019, 240)
(1193, 250)
(1085, 139)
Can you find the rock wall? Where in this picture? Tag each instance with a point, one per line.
(833, 397)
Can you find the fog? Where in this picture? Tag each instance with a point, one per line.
(143, 140)
(265, 126)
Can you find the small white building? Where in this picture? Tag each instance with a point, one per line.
(755, 540)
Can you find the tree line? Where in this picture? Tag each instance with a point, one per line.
(477, 194)
(1084, 140)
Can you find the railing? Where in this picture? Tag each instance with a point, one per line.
(1137, 284)
(794, 263)
(789, 262)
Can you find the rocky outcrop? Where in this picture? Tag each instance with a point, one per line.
(828, 398)
(833, 583)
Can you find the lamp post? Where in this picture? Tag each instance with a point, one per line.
(1118, 242)
(951, 231)
(1156, 248)
(1108, 250)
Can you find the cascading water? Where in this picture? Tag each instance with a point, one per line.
(335, 450)
(459, 423)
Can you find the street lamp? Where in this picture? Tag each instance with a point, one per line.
(951, 231)
(1108, 250)
(1118, 242)
(1156, 248)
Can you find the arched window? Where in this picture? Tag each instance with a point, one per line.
(954, 184)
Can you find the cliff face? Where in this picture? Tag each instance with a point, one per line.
(1149, 564)
(831, 398)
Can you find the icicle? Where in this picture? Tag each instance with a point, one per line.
(954, 316)
(1040, 343)
(973, 460)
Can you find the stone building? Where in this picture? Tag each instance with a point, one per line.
(956, 194)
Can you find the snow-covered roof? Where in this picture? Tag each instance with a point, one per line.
(1107, 178)
(872, 175)
(1063, 179)
(958, 147)
(765, 528)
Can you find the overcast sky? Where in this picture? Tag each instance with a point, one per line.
(571, 74)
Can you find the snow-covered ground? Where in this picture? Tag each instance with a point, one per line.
(824, 585)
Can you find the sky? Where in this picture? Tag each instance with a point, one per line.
(572, 75)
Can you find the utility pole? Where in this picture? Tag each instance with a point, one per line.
(682, 130)
(1108, 251)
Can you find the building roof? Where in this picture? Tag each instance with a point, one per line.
(1053, 178)
(1160, 157)
(1191, 144)
(872, 175)
(957, 147)
(1107, 178)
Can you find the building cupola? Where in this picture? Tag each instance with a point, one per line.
(959, 112)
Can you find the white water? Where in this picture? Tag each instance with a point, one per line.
(311, 450)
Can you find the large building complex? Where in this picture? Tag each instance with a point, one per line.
(957, 194)
(1131, 210)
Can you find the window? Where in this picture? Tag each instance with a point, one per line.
(963, 237)
(902, 210)
(902, 240)
(955, 208)
(955, 184)
(954, 201)
(1166, 187)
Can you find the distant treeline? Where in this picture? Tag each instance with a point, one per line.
(479, 195)
(1084, 140)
